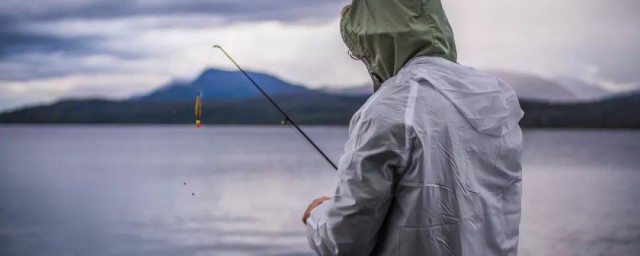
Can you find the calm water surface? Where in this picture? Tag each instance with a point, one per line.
(104, 190)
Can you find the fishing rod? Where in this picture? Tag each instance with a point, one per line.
(287, 119)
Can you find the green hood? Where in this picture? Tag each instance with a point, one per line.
(386, 34)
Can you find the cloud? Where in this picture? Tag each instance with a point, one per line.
(283, 10)
(80, 27)
(14, 42)
(169, 52)
(47, 90)
(46, 44)
(274, 47)
(550, 38)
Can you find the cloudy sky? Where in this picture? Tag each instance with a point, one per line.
(52, 49)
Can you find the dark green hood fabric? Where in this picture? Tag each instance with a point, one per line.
(386, 34)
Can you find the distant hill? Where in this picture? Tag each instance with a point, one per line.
(532, 87)
(362, 90)
(222, 85)
(614, 112)
(308, 108)
(230, 99)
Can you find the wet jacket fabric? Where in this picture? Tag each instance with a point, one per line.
(433, 161)
(432, 167)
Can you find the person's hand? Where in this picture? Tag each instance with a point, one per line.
(312, 206)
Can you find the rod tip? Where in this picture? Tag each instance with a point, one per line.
(216, 46)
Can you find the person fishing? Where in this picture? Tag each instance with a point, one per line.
(432, 165)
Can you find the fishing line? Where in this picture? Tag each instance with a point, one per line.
(199, 97)
(287, 119)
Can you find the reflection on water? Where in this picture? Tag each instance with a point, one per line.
(73, 190)
(581, 193)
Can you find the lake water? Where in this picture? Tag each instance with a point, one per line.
(108, 190)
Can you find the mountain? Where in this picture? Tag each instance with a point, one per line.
(310, 108)
(222, 85)
(613, 112)
(306, 108)
(534, 88)
(363, 90)
(162, 88)
(559, 90)
(582, 90)
(230, 99)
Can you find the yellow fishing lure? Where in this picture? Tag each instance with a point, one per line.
(198, 109)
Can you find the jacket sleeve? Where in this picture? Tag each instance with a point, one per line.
(348, 223)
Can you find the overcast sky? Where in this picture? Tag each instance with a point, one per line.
(80, 48)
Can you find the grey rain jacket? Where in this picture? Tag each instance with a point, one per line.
(433, 161)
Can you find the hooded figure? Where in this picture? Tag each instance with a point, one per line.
(433, 161)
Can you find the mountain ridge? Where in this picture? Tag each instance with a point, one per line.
(230, 99)
(222, 85)
(308, 109)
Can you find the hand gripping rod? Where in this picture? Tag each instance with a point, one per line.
(286, 117)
